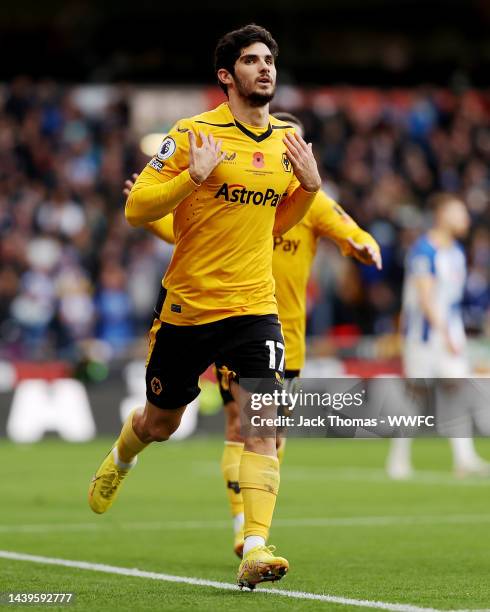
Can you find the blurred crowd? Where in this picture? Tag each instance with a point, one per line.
(76, 278)
(383, 155)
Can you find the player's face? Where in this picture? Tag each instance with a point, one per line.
(457, 219)
(255, 74)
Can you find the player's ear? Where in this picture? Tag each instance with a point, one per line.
(224, 76)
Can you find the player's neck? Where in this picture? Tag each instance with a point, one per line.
(258, 116)
(440, 237)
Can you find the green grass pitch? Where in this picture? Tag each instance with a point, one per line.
(345, 528)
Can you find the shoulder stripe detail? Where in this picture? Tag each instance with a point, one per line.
(282, 127)
(217, 124)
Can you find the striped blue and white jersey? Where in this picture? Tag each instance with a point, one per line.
(448, 267)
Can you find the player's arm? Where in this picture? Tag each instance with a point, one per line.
(294, 207)
(424, 281)
(425, 287)
(163, 228)
(331, 221)
(158, 191)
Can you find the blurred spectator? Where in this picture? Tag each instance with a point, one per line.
(114, 308)
(72, 270)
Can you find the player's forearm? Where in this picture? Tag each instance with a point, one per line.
(150, 199)
(432, 315)
(426, 302)
(292, 210)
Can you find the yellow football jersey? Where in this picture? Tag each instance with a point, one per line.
(163, 228)
(222, 262)
(291, 264)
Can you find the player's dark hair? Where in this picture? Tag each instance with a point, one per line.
(231, 44)
(289, 118)
(439, 200)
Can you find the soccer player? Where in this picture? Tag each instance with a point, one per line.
(291, 264)
(224, 176)
(435, 342)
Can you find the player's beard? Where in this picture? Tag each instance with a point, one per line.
(254, 98)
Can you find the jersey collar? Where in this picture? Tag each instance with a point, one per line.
(246, 131)
(256, 137)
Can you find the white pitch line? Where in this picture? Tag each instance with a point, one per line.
(356, 521)
(124, 571)
(355, 474)
(422, 477)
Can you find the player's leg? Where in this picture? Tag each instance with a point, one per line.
(169, 388)
(455, 421)
(417, 366)
(232, 454)
(153, 424)
(257, 352)
(291, 381)
(399, 462)
(454, 400)
(259, 483)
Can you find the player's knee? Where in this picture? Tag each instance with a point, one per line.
(160, 424)
(160, 431)
(159, 434)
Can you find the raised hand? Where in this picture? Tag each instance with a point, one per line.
(128, 184)
(451, 346)
(204, 159)
(303, 161)
(366, 254)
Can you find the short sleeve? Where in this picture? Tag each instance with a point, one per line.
(421, 259)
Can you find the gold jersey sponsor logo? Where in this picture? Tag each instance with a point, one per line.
(239, 194)
(289, 246)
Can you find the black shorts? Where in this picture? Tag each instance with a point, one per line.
(251, 346)
(224, 386)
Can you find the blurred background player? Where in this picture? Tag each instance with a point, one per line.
(435, 340)
(293, 257)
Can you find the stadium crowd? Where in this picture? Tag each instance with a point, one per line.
(72, 270)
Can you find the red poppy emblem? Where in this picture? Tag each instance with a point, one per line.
(258, 160)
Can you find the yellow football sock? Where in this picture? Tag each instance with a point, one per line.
(230, 464)
(128, 443)
(281, 450)
(259, 482)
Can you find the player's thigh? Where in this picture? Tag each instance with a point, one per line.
(255, 353)
(177, 356)
(255, 349)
